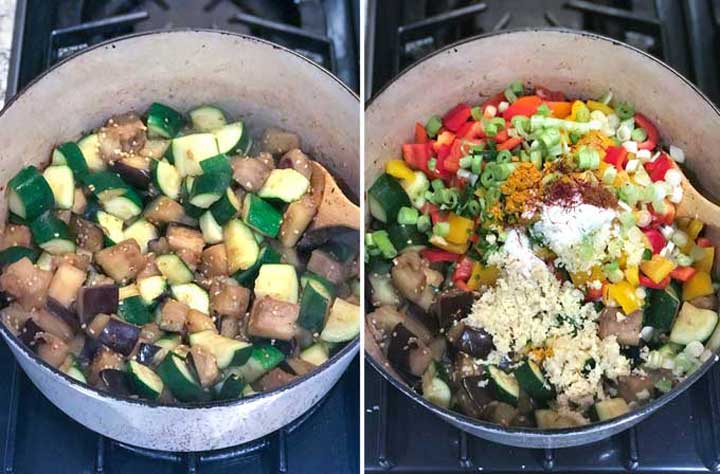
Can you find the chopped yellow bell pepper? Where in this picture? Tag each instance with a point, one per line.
(460, 229)
(657, 268)
(694, 228)
(398, 169)
(705, 264)
(632, 275)
(579, 279)
(624, 294)
(482, 276)
(699, 284)
(688, 248)
(621, 178)
(594, 105)
(441, 243)
(577, 106)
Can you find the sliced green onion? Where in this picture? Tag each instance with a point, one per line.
(503, 156)
(627, 219)
(477, 113)
(383, 243)
(369, 242)
(441, 229)
(606, 97)
(629, 193)
(465, 162)
(583, 114)
(639, 135)
(490, 129)
(408, 216)
(517, 87)
(473, 207)
(424, 223)
(504, 170)
(487, 178)
(574, 137)
(624, 110)
(437, 184)
(550, 137)
(549, 178)
(432, 164)
(680, 238)
(544, 110)
(498, 121)
(609, 175)
(476, 164)
(683, 260)
(536, 158)
(588, 158)
(477, 148)
(510, 96)
(433, 126)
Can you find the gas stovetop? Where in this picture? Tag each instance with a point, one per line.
(684, 436)
(36, 437)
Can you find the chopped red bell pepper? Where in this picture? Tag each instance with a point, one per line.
(527, 106)
(476, 130)
(652, 133)
(509, 144)
(547, 94)
(502, 136)
(464, 129)
(494, 100)
(451, 161)
(456, 117)
(443, 138)
(436, 215)
(594, 294)
(657, 168)
(648, 283)
(438, 255)
(461, 285)
(421, 135)
(683, 273)
(463, 269)
(667, 218)
(704, 242)
(417, 155)
(616, 155)
(656, 239)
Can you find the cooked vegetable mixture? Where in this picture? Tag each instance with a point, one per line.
(154, 258)
(526, 265)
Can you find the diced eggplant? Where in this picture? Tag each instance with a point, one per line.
(88, 351)
(16, 235)
(116, 381)
(321, 263)
(267, 159)
(427, 319)
(60, 311)
(464, 366)
(65, 284)
(104, 358)
(96, 326)
(386, 318)
(147, 353)
(214, 261)
(227, 298)
(52, 324)
(52, 349)
(28, 333)
(121, 136)
(250, 173)
(121, 262)
(173, 315)
(164, 210)
(474, 341)
(197, 321)
(478, 391)
(407, 353)
(625, 328)
(27, 283)
(204, 365)
(502, 413)
(93, 300)
(635, 387)
(159, 246)
(228, 326)
(298, 161)
(87, 235)
(705, 302)
(452, 305)
(276, 378)
(120, 336)
(297, 217)
(79, 202)
(278, 141)
(410, 277)
(186, 242)
(273, 319)
(79, 259)
(135, 171)
(298, 366)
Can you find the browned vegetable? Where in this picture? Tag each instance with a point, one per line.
(104, 358)
(266, 158)
(173, 315)
(14, 316)
(52, 324)
(227, 298)
(121, 136)
(626, 328)
(155, 148)
(121, 262)
(27, 283)
(452, 305)
(93, 300)
(629, 386)
(96, 326)
(159, 246)
(164, 210)
(300, 367)
(52, 349)
(413, 277)
(278, 141)
(197, 321)
(87, 235)
(205, 366)
(149, 269)
(65, 314)
(502, 413)
(79, 202)
(135, 170)
(407, 353)
(120, 336)
(16, 235)
(274, 379)
(229, 326)
(298, 161)
(150, 332)
(250, 173)
(66, 283)
(299, 214)
(386, 318)
(273, 319)
(214, 261)
(705, 302)
(321, 263)
(187, 243)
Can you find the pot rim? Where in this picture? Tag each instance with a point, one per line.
(623, 421)
(351, 346)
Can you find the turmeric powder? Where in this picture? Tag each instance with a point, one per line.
(522, 189)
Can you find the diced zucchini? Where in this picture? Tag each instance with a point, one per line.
(45, 262)
(385, 198)
(134, 310)
(127, 291)
(316, 354)
(174, 269)
(314, 306)
(343, 323)
(324, 286)
(285, 184)
(169, 341)
(175, 373)
(151, 288)
(532, 380)
(75, 371)
(551, 419)
(211, 230)
(111, 226)
(207, 118)
(167, 179)
(693, 324)
(188, 151)
(277, 280)
(233, 138)
(70, 154)
(611, 408)
(230, 387)
(247, 277)
(226, 207)
(13, 254)
(217, 164)
(261, 216)
(90, 148)
(436, 391)
(193, 296)
(105, 185)
(241, 246)
(52, 235)
(663, 305)
(209, 188)
(406, 237)
(142, 232)
(62, 183)
(125, 207)
(227, 352)
(30, 194)
(163, 121)
(262, 360)
(505, 385)
(146, 382)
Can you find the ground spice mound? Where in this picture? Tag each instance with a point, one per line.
(567, 190)
(522, 189)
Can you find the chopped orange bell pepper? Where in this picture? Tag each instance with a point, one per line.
(699, 284)
(482, 276)
(445, 138)
(460, 229)
(560, 109)
(594, 105)
(581, 278)
(398, 169)
(632, 274)
(624, 294)
(705, 264)
(657, 268)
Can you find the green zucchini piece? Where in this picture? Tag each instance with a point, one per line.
(693, 324)
(385, 198)
(261, 216)
(30, 194)
(611, 408)
(208, 188)
(207, 118)
(285, 184)
(327, 287)
(233, 138)
(169, 341)
(217, 164)
(52, 235)
(343, 323)
(74, 370)
(316, 354)
(406, 237)
(142, 232)
(532, 380)
(314, 305)
(71, 155)
(212, 231)
(193, 296)
(134, 310)
(164, 121)
(144, 380)
(90, 148)
(262, 359)
(436, 391)
(125, 207)
(175, 373)
(62, 183)
(247, 277)
(663, 306)
(174, 269)
(189, 150)
(505, 385)
(228, 388)
(111, 226)
(279, 281)
(226, 207)
(105, 185)
(167, 179)
(13, 254)
(151, 288)
(227, 352)
(242, 248)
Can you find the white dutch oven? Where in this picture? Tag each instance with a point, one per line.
(258, 81)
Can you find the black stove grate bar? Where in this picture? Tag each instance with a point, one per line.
(64, 41)
(620, 14)
(428, 26)
(713, 394)
(11, 428)
(503, 22)
(670, 13)
(302, 39)
(703, 46)
(382, 453)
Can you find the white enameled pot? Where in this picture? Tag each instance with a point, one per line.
(260, 82)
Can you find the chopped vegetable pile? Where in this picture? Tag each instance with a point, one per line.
(526, 264)
(156, 259)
